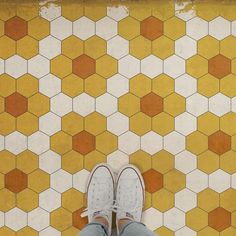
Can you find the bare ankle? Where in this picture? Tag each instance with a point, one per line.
(102, 220)
(123, 222)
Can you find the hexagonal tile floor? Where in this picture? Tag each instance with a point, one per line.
(152, 84)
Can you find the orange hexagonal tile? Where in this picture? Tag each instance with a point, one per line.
(84, 142)
(151, 28)
(219, 142)
(77, 220)
(16, 104)
(84, 66)
(16, 28)
(219, 219)
(16, 181)
(153, 180)
(219, 66)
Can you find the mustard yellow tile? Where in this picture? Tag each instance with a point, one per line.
(72, 85)
(163, 47)
(61, 142)
(71, 11)
(7, 47)
(228, 162)
(207, 11)
(197, 66)
(106, 142)
(140, 12)
(27, 161)
(72, 47)
(7, 11)
(95, 47)
(148, 200)
(142, 160)
(7, 161)
(27, 200)
(27, 123)
(140, 47)
(7, 85)
(174, 28)
(70, 231)
(233, 66)
(2, 104)
(57, 216)
(227, 47)
(228, 232)
(227, 200)
(95, 13)
(1, 27)
(38, 104)
(27, 85)
(72, 162)
(2, 181)
(174, 104)
(129, 28)
(38, 28)
(27, 231)
(165, 10)
(140, 85)
(38, 181)
(58, 70)
(233, 219)
(104, 70)
(7, 200)
(228, 85)
(208, 231)
(208, 200)
(233, 142)
(27, 47)
(208, 47)
(8, 123)
(163, 200)
(140, 123)
(208, 123)
(227, 123)
(174, 181)
(92, 159)
(208, 162)
(6, 231)
(164, 231)
(228, 11)
(27, 11)
(95, 123)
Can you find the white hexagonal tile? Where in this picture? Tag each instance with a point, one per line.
(49, 200)
(151, 142)
(174, 219)
(2, 66)
(84, 104)
(219, 181)
(197, 104)
(15, 219)
(185, 85)
(38, 219)
(185, 123)
(129, 142)
(152, 218)
(129, 66)
(174, 142)
(118, 47)
(49, 123)
(117, 160)
(181, 13)
(185, 200)
(38, 142)
(2, 219)
(233, 104)
(185, 47)
(2, 141)
(61, 181)
(49, 10)
(80, 180)
(197, 28)
(16, 142)
(233, 26)
(106, 28)
(61, 28)
(49, 231)
(233, 184)
(219, 28)
(185, 231)
(83, 28)
(219, 104)
(61, 104)
(185, 162)
(38, 66)
(16, 66)
(117, 13)
(151, 66)
(106, 104)
(174, 66)
(197, 181)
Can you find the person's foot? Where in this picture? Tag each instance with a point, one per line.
(100, 195)
(130, 193)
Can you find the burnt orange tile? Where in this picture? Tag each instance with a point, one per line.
(16, 104)
(153, 180)
(151, 104)
(16, 28)
(16, 181)
(84, 142)
(219, 219)
(151, 28)
(219, 66)
(219, 142)
(84, 66)
(77, 221)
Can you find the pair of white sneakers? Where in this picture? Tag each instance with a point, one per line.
(123, 195)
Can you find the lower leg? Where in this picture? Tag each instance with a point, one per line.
(102, 220)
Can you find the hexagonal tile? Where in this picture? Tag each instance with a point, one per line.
(61, 181)
(151, 142)
(106, 28)
(106, 104)
(151, 66)
(219, 28)
(185, 47)
(16, 219)
(61, 28)
(185, 123)
(56, 104)
(148, 218)
(174, 142)
(117, 12)
(174, 66)
(80, 180)
(197, 28)
(129, 66)
(174, 219)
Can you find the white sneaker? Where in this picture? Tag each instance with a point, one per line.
(130, 194)
(100, 194)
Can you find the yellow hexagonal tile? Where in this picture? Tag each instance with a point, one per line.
(164, 11)
(33, 104)
(174, 104)
(104, 70)
(1, 28)
(140, 123)
(58, 70)
(70, 231)
(72, 47)
(208, 47)
(208, 11)
(57, 216)
(6, 231)
(163, 200)
(27, 47)
(8, 123)
(233, 219)
(174, 23)
(27, 161)
(228, 232)
(140, 13)
(208, 162)
(71, 11)
(27, 123)
(95, 13)
(197, 66)
(95, 47)
(208, 123)
(2, 180)
(7, 47)
(208, 231)
(7, 85)
(72, 162)
(228, 12)
(92, 159)
(142, 160)
(95, 123)
(38, 181)
(208, 199)
(27, 85)
(174, 181)
(226, 200)
(106, 142)
(27, 200)
(2, 104)
(7, 161)
(27, 231)
(164, 231)
(228, 85)
(227, 47)
(233, 142)
(227, 123)
(228, 162)
(7, 200)
(61, 142)
(140, 85)
(163, 47)
(148, 200)
(27, 11)
(140, 47)
(233, 66)
(7, 12)
(95, 85)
